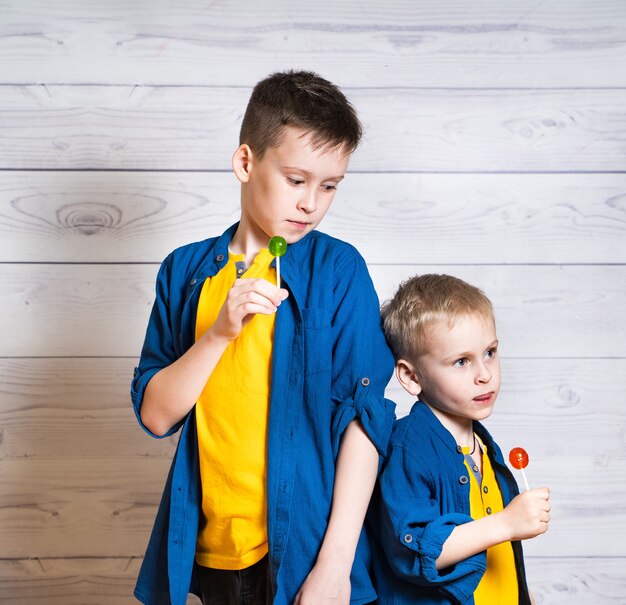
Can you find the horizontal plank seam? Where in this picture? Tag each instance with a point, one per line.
(374, 172)
(348, 89)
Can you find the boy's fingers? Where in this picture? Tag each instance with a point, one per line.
(541, 492)
(247, 300)
(251, 308)
(263, 287)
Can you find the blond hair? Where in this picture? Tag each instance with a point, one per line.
(423, 300)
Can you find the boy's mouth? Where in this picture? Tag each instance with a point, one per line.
(486, 398)
(298, 224)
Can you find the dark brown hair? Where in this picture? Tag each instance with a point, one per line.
(304, 100)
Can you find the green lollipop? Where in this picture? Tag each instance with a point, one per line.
(277, 248)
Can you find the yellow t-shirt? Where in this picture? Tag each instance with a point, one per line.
(498, 585)
(232, 414)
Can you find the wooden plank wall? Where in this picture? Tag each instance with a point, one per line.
(495, 150)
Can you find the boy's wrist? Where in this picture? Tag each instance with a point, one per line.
(502, 530)
(336, 553)
(213, 337)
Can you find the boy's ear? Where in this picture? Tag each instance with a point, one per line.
(242, 162)
(407, 377)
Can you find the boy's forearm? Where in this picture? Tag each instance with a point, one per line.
(355, 475)
(473, 537)
(526, 516)
(174, 390)
(357, 467)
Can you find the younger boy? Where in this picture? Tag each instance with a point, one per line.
(278, 392)
(447, 511)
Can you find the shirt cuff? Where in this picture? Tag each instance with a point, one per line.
(375, 413)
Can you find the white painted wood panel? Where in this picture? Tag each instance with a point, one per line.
(453, 43)
(69, 506)
(102, 310)
(62, 407)
(72, 581)
(405, 218)
(577, 581)
(407, 129)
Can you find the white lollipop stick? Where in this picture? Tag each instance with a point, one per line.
(278, 271)
(525, 480)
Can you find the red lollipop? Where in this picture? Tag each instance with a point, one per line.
(518, 457)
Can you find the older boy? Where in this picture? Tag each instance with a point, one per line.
(447, 511)
(282, 414)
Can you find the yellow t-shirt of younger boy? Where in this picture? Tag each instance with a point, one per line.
(232, 415)
(498, 585)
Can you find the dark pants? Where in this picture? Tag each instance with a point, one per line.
(249, 586)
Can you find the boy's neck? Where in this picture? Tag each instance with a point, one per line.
(246, 243)
(461, 429)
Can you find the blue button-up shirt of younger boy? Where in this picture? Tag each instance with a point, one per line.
(424, 493)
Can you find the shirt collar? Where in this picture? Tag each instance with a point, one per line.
(218, 257)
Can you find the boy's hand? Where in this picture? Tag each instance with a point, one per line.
(324, 585)
(245, 299)
(528, 514)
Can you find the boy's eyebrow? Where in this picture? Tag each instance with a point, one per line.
(303, 171)
(468, 353)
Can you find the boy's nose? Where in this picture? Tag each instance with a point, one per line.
(308, 201)
(483, 375)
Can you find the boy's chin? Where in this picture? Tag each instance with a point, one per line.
(483, 414)
(294, 238)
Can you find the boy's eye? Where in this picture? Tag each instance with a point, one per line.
(294, 181)
(329, 187)
(460, 363)
(490, 353)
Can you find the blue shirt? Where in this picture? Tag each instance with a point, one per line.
(330, 365)
(421, 496)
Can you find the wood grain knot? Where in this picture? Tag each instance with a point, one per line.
(565, 397)
(617, 202)
(89, 218)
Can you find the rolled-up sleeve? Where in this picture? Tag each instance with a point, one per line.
(362, 361)
(158, 349)
(413, 529)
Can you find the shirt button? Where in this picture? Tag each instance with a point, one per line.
(408, 538)
(459, 449)
(485, 489)
(239, 271)
(488, 510)
(219, 258)
(463, 479)
(475, 468)
(365, 381)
